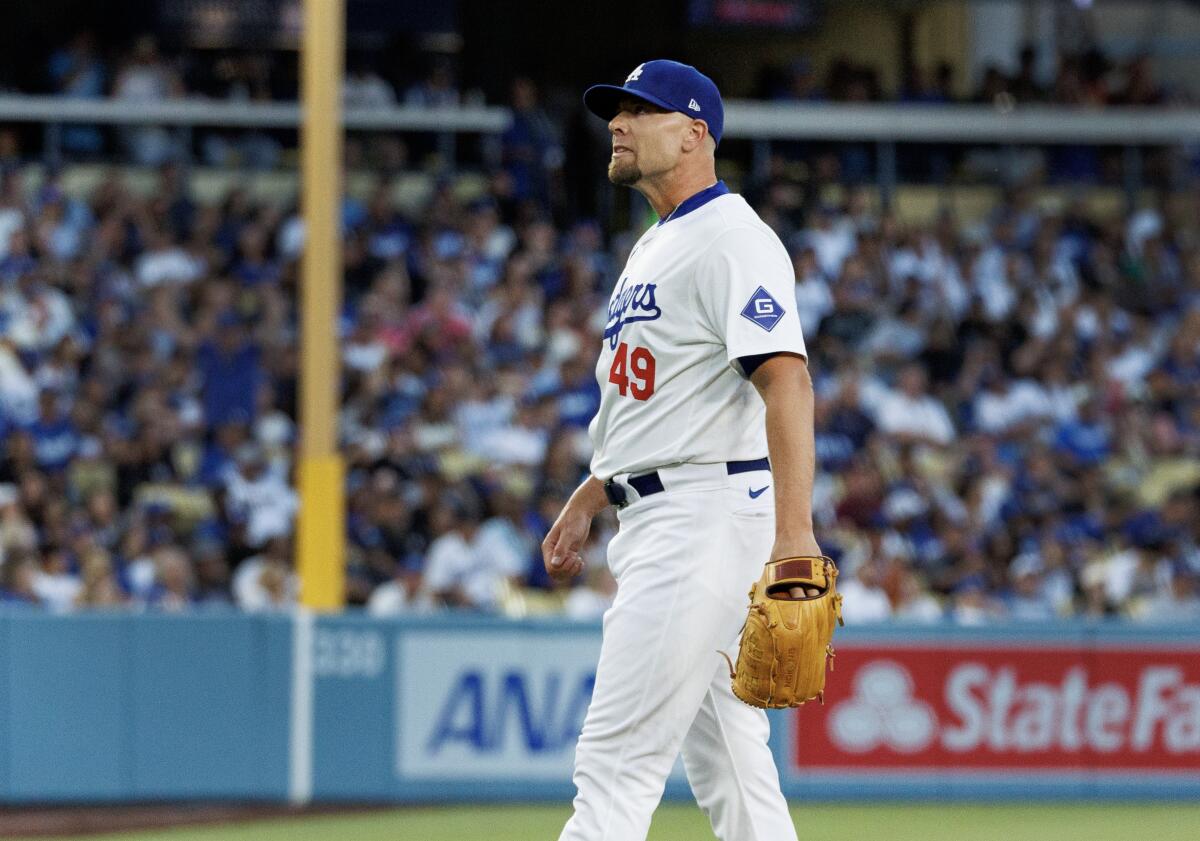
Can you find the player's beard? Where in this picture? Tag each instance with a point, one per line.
(624, 173)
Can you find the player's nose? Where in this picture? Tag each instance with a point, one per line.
(617, 125)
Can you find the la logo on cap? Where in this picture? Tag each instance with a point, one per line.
(637, 74)
(694, 105)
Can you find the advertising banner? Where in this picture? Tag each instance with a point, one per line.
(505, 704)
(1005, 707)
(495, 711)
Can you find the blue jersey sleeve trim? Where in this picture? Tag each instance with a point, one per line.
(749, 364)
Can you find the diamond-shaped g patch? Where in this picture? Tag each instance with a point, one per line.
(763, 310)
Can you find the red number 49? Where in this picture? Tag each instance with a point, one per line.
(633, 371)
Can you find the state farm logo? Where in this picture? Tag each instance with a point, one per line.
(991, 708)
(1152, 710)
(883, 711)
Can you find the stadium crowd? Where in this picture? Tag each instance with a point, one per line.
(1008, 414)
(143, 72)
(141, 69)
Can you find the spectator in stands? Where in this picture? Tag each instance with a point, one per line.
(437, 89)
(76, 71)
(212, 586)
(172, 590)
(456, 574)
(17, 533)
(258, 501)
(146, 78)
(54, 437)
(1085, 440)
(165, 261)
(935, 89)
(54, 584)
(831, 238)
(37, 314)
(17, 577)
(911, 415)
(942, 91)
(801, 84)
(864, 600)
(520, 439)
(993, 87)
(1008, 408)
(231, 373)
(814, 301)
(1025, 86)
(1179, 603)
(973, 606)
(364, 88)
(265, 582)
(12, 224)
(459, 570)
(1027, 599)
(1140, 87)
(914, 602)
(237, 77)
(403, 594)
(533, 155)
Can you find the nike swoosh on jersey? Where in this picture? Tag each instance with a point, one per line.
(755, 494)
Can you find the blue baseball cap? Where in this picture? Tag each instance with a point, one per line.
(667, 84)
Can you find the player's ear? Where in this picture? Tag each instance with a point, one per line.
(694, 137)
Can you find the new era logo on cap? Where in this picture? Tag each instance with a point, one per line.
(694, 105)
(763, 310)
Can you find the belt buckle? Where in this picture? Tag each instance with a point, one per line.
(616, 494)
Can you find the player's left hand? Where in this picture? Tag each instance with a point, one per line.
(804, 546)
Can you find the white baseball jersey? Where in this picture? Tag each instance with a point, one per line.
(709, 284)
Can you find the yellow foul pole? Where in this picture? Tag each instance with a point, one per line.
(320, 541)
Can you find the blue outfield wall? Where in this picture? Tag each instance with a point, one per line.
(121, 707)
(112, 707)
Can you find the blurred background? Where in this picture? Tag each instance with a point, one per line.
(993, 209)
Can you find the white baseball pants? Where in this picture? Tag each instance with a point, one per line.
(684, 560)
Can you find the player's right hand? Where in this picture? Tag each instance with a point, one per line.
(562, 546)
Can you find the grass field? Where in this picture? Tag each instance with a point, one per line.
(888, 822)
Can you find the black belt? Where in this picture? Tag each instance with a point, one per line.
(650, 483)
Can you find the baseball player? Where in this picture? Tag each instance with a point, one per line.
(704, 376)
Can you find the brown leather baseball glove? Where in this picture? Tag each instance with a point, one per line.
(786, 640)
